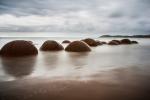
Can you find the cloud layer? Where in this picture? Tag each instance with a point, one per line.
(84, 16)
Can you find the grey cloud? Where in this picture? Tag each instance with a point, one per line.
(121, 16)
(116, 14)
(43, 7)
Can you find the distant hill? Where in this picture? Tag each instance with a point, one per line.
(127, 36)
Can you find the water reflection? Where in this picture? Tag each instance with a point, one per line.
(50, 59)
(78, 59)
(18, 66)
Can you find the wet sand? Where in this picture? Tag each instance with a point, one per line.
(118, 84)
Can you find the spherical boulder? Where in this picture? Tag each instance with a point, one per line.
(90, 42)
(78, 46)
(103, 42)
(113, 43)
(66, 41)
(30, 42)
(99, 42)
(119, 42)
(134, 42)
(51, 45)
(125, 41)
(18, 48)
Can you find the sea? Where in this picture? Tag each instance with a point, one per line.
(122, 65)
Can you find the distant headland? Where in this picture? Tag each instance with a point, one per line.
(127, 36)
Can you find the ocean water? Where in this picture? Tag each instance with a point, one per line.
(106, 73)
(102, 61)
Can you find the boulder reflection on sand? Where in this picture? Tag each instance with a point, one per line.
(18, 48)
(78, 46)
(90, 42)
(18, 66)
(66, 41)
(50, 60)
(51, 45)
(78, 60)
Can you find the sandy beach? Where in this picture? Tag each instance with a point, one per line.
(120, 84)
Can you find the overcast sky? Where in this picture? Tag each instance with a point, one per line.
(76, 16)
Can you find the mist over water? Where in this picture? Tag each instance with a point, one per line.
(68, 65)
(109, 72)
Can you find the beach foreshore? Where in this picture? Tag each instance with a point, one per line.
(125, 86)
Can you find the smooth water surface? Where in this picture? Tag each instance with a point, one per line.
(124, 67)
(75, 65)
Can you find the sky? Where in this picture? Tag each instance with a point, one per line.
(123, 17)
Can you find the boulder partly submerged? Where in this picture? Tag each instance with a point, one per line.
(51, 45)
(90, 42)
(118, 41)
(78, 46)
(18, 48)
(113, 43)
(125, 41)
(99, 42)
(66, 41)
(134, 42)
(103, 42)
(30, 42)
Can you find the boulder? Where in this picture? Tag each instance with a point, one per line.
(51, 45)
(134, 42)
(78, 46)
(90, 42)
(113, 43)
(125, 41)
(119, 42)
(18, 48)
(30, 42)
(103, 42)
(66, 41)
(99, 42)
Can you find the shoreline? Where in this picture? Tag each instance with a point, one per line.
(71, 90)
(128, 85)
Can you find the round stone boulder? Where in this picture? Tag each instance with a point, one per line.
(90, 42)
(134, 42)
(125, 41)
(18, 48)
(103, 42)
(113, 43)
(51, 45)
(99, 42)
(78, 46)
(66, 41)
(30, 42)
(119, 42)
